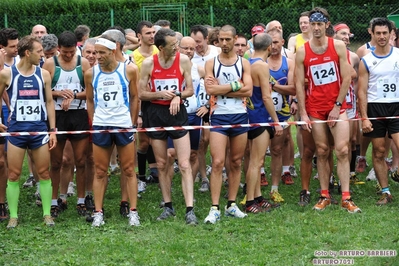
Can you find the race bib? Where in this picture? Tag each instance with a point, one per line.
(387, 88)
(110, 96)
(166, 84)
(277, 101)
(191, 104)
(323, 73)
(28, 110)
(75, 87)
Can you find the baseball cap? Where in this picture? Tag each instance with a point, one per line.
(257, 29)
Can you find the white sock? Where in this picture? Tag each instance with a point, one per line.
(274, 188)
(286, 168)
(81, 200)
(262, 170)
(54, 202)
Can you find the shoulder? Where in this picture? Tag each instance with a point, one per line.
(132, 68)
(85, 63)
(48, 63)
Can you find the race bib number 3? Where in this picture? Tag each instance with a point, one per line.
(28, 110)
(387, 88)
(323, 73)
(277, 101)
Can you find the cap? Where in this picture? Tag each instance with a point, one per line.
(257, 29)
(341, 26)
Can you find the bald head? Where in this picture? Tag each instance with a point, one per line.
(187, 46)
(274, 24)
(39, 31)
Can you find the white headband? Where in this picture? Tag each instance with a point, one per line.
(106, 43)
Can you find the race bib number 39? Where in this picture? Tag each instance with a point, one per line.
(387, 88)
(28, 110)
(323, 73)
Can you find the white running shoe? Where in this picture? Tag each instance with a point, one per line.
(234, 211)
(213, 216)
(141, 186)
(134, 219)
(371, 176)
(208, 170)
(293, 171)
(71, 189)
(98, 219)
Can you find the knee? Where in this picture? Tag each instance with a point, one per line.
(235, 163)
(217, 164)
(342, 150)
(379, 152)
(184, 165)
(323, 151)
(101, 172)
(128, 171)
(161, 164)
(276, 150)
(307, 154)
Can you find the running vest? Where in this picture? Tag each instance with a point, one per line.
(199, 98)
(166, 79)
(111, 97)
(27, 100)
(200, 60)
(300, 41)
(281, 101)
(322, 71)
(68, 79)
(257, 112)
(139, 58)
(383, 72)
(221, 104)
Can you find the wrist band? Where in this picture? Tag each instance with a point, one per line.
(235, 86)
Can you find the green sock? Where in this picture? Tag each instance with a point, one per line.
(12, 198)
(46, 193)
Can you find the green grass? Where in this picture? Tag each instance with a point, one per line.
(289, 235)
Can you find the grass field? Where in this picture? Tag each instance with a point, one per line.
(290, 235)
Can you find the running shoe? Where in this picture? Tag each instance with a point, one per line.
(322, 203)
(234, 211)
(385, 199)
(81, 208)
(378, 188)
(115, 171)
(371, 175)
(304, 198)
(12, 223)
(55, 211)
(293, 171)
(350, 206)
(287, 178)
(263, 180)
(254, 208)
(267, 206)
(208, 170)
(71, 189)
(48, 220)
(276, 197)
(134, 218)
(167, 212)
(124, 208)
(141, 186)
(152, 179)
(361, 164)
(30, 182)
(213, 216)
(3, 212)
(204, 186)
(62, 203)
(176, 168)
(191, 219)
(98, 219)
(394, 175)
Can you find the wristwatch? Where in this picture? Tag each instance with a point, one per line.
(338, 104)
(178, 93)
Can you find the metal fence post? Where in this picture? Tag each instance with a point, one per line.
(211, 13)
(5, 21)
(112, 17)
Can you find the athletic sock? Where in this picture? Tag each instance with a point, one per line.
(12, 198)
(249, 203)
(325, 193)
(217, 206)
(353, 161)
(169, 205)
(262, 170)
(150, 155)
(346, 195)
(63, 196)
(81, 201)
(357, 150)
(141, 161)
(229, 203)
(259, 199)
(46, 191)
(286, 168)
(386, 190)
(274, 188)
(89, 193)
(188, 209)
(54, 202)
